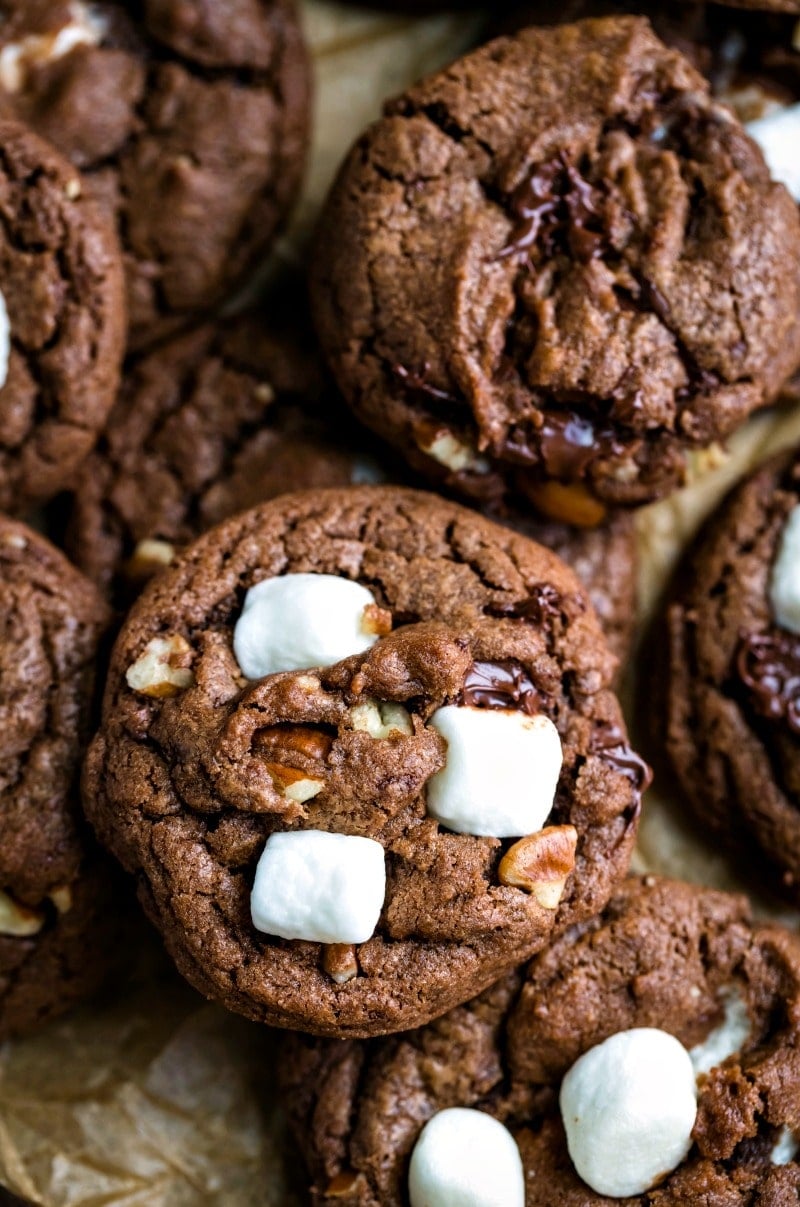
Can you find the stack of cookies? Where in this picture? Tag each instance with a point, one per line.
(358, 607)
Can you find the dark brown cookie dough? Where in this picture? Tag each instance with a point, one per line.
(558, 261)
(733, 680)
(751, 58)
(185, 789)
(54, 887)
(188, 119)
(223, 418)
(61, 280)
(663, 954)
(208, 424)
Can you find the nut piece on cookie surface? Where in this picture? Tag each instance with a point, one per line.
(553, 174)
(298, 805)
(540, 863)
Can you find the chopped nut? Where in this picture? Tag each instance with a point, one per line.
(148, 558)
(297, 785)
(377, 620)
(296, 739)
(570, 502)
(540, 863)
(264, 392)
(285, 743)
(704, 461)
(455, 454)
(73, 189)
(340, 962)
(344, 1183)
(17, 921)
(62, 898)
(163, 668)
(380, 719)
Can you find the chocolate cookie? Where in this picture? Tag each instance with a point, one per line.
(208, 424)
(733, 721)
(188, 119)
(751, 59)
(551, 1058)
(226, 417)
(559, 263)
(329, 848)
(62, 322)
(54, 888)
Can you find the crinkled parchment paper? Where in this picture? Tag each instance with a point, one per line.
(150, 1096)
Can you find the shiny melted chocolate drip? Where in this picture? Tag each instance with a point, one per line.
(541, 606)
(610, 744)
(554, 200)
(769, 666)
(567, 443)
(504, 685)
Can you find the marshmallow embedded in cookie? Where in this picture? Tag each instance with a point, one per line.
(729, 1037)
(778, 136)
(784, 584)
(86, 27)
(501, 772)
(300, 621)
(324, 888)
(465, 1158)
(629, 1106)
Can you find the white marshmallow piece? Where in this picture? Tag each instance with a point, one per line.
(784, 583)
(778, 136)
(86, 27)
(501, 772)
(464, 1158)
(729, 1037)
(629, 1106)
(325, 888)
(5, 341)
(301, 621)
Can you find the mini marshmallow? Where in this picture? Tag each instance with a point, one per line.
(784, 583)
(501, 772)
(778, 136)
(5, 341)
(86, 27)
(629, 1106)
(300, 621)
(784, 1150)
(465, 1158)
(729, 1037)
(325, 888)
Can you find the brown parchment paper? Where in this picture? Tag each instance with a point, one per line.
(150, 1096)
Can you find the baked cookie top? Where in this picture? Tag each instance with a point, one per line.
(558, 262)
(733, 682)
(209, 423)
(187, 117)
(62, 319)
(359, 749)
(52, 891)
(667, 968)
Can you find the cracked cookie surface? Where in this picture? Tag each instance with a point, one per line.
(54, 888)
(210, 423)
(733, 678)
(62, 286)
(558, 260)
(189, 126)
(185, 789)
(662, 954)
